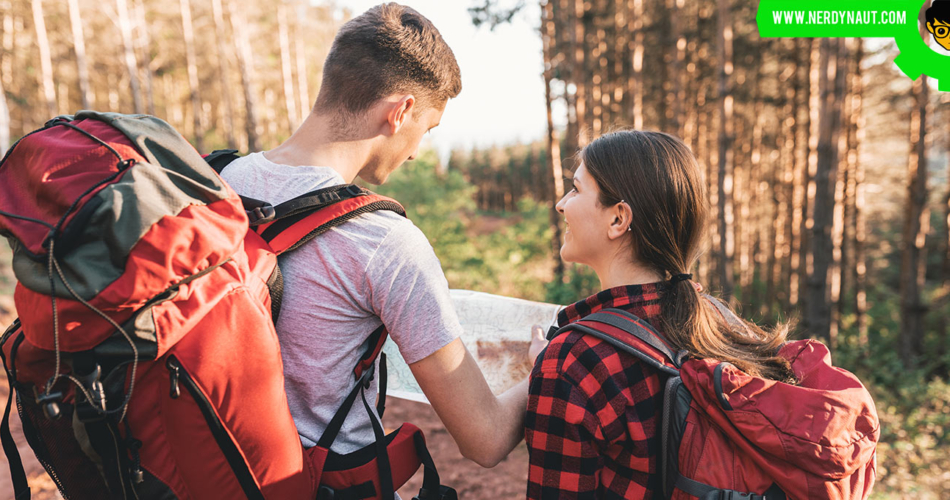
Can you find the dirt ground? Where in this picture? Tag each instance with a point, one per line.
(506, 481)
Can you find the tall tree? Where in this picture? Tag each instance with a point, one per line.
(246, 67)
(726, 153)
(285, 66)
(916, 226)
(555, 173)
(143, 43)
(303, 91)
(79, 45)
(192, 63)
(220, 35)
(128, 51)
(817, 306)
(46, 64)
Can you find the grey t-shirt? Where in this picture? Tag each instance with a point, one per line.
(377, 268)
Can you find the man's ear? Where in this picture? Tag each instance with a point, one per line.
(930, 28)
(400, 112)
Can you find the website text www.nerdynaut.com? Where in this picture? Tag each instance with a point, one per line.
(838, 17)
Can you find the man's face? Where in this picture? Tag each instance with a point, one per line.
(941, 32)
(403, 144)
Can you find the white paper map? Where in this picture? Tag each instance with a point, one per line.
(497, 331)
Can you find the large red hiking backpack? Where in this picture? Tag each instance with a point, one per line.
(726, 435)
(145, 363)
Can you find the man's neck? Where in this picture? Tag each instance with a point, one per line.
(315, 144)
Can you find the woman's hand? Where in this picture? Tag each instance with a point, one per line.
(538, 343)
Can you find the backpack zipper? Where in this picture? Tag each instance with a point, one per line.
(178, 374)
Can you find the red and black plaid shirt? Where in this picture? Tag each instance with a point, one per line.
(592, 419)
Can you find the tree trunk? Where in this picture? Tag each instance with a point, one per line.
(143, 43)
(637, 79)
(726, 152)
(46, 64)
(246, 66)
(555, 173)
(128, 51)
(290, 100)
(302, 88)
(817, 307)
(860, 225)
(221, 33)
(193, 83)
(916, 227)
(579, 73)
(4, 122)
(82, 68)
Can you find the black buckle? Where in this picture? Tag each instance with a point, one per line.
(326, 493)
(444, 493)
(735, 495)
(260, 215)
(353, 190)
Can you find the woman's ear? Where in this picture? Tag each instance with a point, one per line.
(621, 218)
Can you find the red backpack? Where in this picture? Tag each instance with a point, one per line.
(145, 362)
(727, 435)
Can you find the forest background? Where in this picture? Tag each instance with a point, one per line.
(827, 168)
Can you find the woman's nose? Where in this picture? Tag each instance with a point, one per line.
(560, 205)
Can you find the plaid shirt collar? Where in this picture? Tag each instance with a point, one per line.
(642, 300)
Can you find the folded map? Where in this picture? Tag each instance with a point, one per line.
(497, 331)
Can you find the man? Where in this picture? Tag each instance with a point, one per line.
(386, 82)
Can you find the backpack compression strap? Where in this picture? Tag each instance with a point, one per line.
(21, 487)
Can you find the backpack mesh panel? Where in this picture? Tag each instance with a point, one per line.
(57, 449)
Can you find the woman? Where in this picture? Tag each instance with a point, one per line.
(636, 216)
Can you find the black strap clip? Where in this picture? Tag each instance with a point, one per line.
(353, 190)
(326, 493)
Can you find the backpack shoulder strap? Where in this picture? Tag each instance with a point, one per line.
(630, 334)
(303, 218)
(221, 158)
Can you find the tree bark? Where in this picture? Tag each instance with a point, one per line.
(46, 64)
(726, 152)
(246, 67)
(193, 83)
(221, 33)
(5, 122)
(860, 225)
(290, 99)
(817, 304)
(637, 79)
(143, 43)
(79, 44)
(555, 173)
(128, 51)
(303, 90)
(916, 227)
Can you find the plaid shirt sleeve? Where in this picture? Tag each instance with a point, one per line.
(590, 424)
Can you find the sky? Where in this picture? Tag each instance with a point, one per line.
(502, 99)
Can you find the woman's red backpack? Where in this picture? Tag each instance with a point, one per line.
(727, 435)
(145, 362)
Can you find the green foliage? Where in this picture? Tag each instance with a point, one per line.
(507, 254)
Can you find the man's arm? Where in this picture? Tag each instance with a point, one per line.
(485, 427)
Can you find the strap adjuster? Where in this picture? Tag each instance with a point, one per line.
(353, 190)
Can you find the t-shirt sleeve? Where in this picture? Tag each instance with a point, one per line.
(409, 293)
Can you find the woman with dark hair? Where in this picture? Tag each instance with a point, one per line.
(636, 216)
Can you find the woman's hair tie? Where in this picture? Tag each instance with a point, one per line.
(676, 278)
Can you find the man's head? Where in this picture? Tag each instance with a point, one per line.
(938, 22)
(388, 76)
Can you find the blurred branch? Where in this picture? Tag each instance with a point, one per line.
(491, 13)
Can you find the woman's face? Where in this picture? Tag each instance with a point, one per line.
(587, 222)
